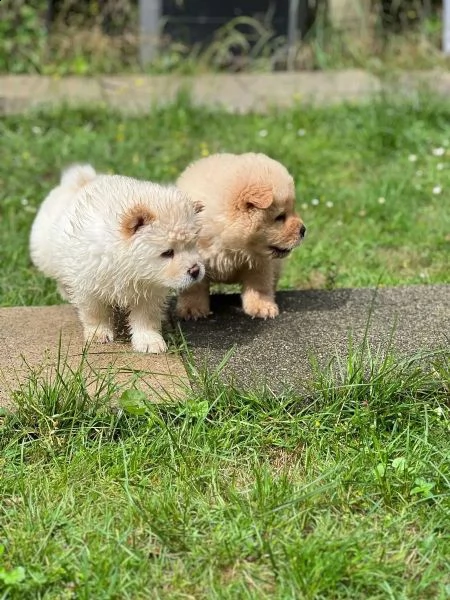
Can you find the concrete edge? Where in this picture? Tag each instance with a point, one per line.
(238, 93)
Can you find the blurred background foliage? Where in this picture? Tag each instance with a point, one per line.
(61, 37)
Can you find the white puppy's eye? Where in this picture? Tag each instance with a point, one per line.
(167, 254)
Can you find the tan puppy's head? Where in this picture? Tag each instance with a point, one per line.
(249, 202)
(263, 206)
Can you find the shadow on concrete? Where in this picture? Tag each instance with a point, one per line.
(319, 324)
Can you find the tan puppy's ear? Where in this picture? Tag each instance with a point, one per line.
(255, 196)
(198, 207)
(134, 219)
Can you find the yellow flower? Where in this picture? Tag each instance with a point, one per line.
(120, 136)
(204, 149)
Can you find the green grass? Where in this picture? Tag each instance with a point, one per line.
(346, 157)
(342, 493)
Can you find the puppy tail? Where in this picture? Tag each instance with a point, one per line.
(78, 176)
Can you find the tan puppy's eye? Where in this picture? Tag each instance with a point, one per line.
(281, 218)
(167, 254)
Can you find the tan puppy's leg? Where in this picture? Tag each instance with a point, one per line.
(193, 303)
(258, 292)
(277, 268)
(97, 320)
(145, 326)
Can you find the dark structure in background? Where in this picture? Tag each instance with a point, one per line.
(196, 21)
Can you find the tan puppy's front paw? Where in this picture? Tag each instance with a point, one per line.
(260, 308)
(149, 342)
(190, 310)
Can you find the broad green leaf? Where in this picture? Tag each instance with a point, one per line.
(199, 410)
(133, 402)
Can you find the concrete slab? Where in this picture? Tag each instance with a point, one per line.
(137, 94)
(31, 339)
(243, 92)
(317, 323)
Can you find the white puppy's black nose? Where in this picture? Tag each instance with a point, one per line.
(194, 271)
(302, 231)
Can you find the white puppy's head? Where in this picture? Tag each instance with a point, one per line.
(157, 233)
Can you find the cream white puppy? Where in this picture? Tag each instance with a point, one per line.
(113, 241)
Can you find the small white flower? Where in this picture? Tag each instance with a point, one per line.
(438, 151)
(412, 158)
(437, 189)
(36, 130)
(329, 204)
(422, 275)
(24, 202)
(362, 213)
(419, 173)
(301, 132)
(440, 166)
(315, 201)
(304, 206)
(339, 223)
(263, 133)
(381, 200)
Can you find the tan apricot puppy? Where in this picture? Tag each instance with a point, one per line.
(248, 226)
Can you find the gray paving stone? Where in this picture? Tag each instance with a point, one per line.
(320, 324)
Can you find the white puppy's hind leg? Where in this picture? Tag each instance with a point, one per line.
(63, 291)
(145, 326)
(97, 320)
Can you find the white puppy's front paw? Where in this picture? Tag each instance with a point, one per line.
(98, 335)
(148, 341)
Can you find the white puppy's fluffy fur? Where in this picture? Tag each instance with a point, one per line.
(112, 241)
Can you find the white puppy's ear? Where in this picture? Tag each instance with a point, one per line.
(134, 219)
(255, 196)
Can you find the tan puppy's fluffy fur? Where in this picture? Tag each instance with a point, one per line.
(248, 225)
(116, 241)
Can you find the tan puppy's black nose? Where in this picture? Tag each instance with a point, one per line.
(194, 271)
(302, 231)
